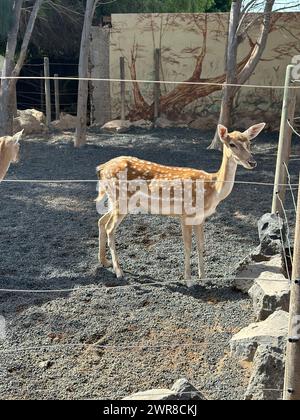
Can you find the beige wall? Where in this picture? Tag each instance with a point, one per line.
(185, 41)
(100, 69)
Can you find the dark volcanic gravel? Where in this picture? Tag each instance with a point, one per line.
(108, 339)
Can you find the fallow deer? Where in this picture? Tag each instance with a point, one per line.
(9, 152)
(217, 187)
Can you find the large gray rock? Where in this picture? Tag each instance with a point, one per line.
(271, 230)
(30, 121)
(117, 126)
(66, 122)
(181, 390)
(267, 379)
(272, 332)
(269, 294)
(184, 390)
(248, 272)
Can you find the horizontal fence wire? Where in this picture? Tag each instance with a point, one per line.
(166, 82)
(21, 103)
(110, 347)
(200, 389)
(51, 64)
(81, 181)
(22, 93)
(123, 397)
(144, 284)
(121, 348)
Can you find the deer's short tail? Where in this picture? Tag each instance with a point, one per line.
(101, 190)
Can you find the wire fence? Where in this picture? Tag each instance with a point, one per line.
(52, 64)
(145, 346)
(160, 393)
(95, 181)
(135, 285)
(120, 348)
(166, 82)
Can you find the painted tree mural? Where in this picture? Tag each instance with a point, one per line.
(210, 30)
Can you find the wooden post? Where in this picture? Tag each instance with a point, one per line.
(47, 90)
(42, 88)
(285, 139)
(156, 92)
(57, 102)
(122, 77)
(292, 373)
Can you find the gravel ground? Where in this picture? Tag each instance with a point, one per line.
(108, 339)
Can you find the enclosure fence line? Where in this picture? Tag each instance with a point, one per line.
(123, 135)
(167, 82)
(90, 181)
(58, 347)
(148, 394)
(118, 286)
(38, 93)
(52, 64)
(123, 347)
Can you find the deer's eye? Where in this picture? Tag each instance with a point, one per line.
(232, 145)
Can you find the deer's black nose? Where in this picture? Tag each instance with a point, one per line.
(252, 163)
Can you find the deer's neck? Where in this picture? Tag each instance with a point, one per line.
(226, 175)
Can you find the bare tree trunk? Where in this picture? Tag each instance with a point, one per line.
(230, 69)
(226, 107)
(8, 86)
(260, 45)
(6, 119)
(83, 71)
(27, 37)
(14, 104)
(233, 75)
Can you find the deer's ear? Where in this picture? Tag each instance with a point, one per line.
(17, 137)
(254, 131)
(223, 133)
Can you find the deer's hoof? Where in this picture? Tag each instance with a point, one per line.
(106, 263)
(190, 283)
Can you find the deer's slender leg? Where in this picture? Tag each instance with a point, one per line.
(187, 240)
(114, 221)
(199, 233)
(103, 240)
